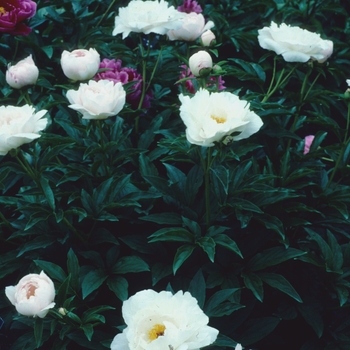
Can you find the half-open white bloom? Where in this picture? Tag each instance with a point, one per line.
(147, 17)
(24, 73)
(193, 25)
(97, 99)
(295, 44)
(19, 125)
(33, 295)
(80, 64)
(209, 117)
(163, 321)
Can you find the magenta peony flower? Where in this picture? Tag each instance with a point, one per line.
(116, 73)
(186, 73)
(12, 15)
(189, 6)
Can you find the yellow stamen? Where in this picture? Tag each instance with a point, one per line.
(156, 331)
(2, 11)
(219, 120)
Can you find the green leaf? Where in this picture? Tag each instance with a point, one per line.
(279, 282)
(38, 331)
(88, 330)
(224, 341)
(39, 242)
(73, 268)
(51, 269)
(129, 264)
(47, 192)
(257, 329)
(119, 286)
(63, 290)
(172, 234)
(254, 283)
(197, 288)
(213, 307)
(208, 245)
(312, 317)
(182, 254)
(159, 271)
(273, 256)
(164, 218)
(227, 242)
(92, 281)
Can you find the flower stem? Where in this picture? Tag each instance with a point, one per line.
(102, 145)
(104, 15)
(342, 150)
(206, 166)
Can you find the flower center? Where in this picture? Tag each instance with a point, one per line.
(218, 119)
(156, 331)
(79, 54)
(30, 289)
(2, 11)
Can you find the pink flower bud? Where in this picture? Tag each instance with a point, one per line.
(25, 72)
(207, 38)
(200, 60)
(308, 142)
(80, 64)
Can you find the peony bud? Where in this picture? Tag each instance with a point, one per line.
(208, 38)
(25, 72)
(80, 64)
(307, 145)
(33, 295)
(200, 63)
(62, 311)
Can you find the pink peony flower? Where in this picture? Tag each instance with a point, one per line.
(12, 15)
(308, 142)
(189, 6)
(116, 73)
(186, 73)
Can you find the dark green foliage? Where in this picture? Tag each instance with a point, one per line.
(109, 208)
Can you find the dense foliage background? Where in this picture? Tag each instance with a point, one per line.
(116, 207)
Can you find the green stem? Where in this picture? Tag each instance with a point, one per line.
(206, 166)
(342, 150)
(74, 230)
(104, 15)
(102, 145)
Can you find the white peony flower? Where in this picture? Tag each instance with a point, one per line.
(80, 64)
(33, 295)
(295, 44)
(147, 17)
(24, 73)
(193, 25)
(97, 99)
(163, 321)
(198, 61)
(19, 125)
(209, 117)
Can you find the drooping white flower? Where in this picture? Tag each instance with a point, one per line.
(209, 117)
(295, 44)
(33, 295)
(193, 25)
(97, 99)
(147, 17)
(80, 64)
(19, 125)
(24, 73)
(157, 321)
